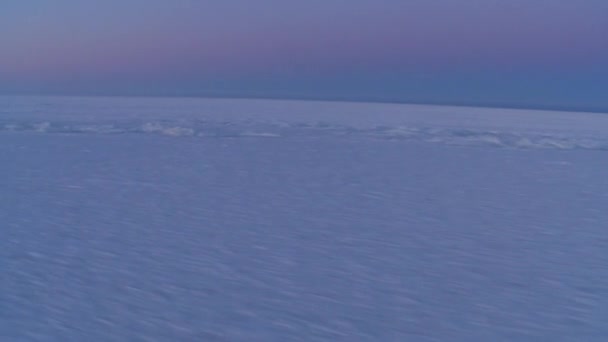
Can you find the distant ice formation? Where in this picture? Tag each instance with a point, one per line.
(215, 118)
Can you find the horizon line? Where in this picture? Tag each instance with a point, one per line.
(345, 99)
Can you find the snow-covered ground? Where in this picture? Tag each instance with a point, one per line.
(255, 220)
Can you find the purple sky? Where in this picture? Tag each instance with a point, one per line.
(550, 53)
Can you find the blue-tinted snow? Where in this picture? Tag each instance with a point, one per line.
(241, 220)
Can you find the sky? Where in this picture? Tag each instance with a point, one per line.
(516, 53)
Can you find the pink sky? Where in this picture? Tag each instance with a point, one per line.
(63, 41)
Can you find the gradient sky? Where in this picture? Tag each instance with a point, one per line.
(547, 53)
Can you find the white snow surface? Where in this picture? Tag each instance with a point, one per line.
(134, 219)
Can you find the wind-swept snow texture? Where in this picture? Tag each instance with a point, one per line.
(250, 220)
